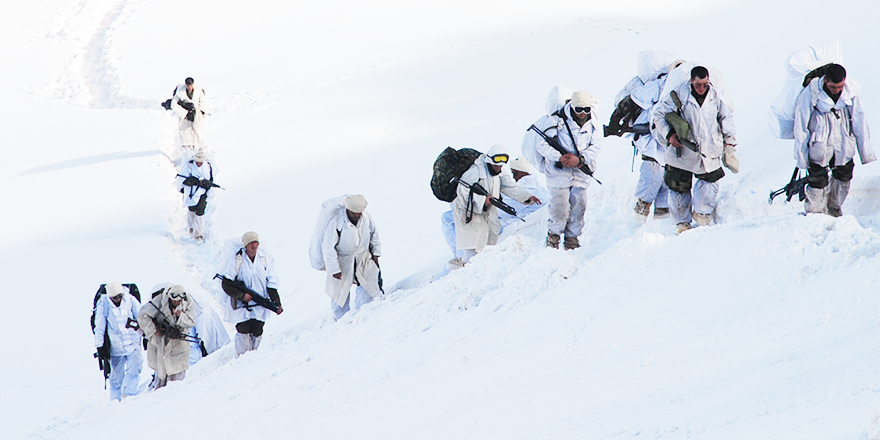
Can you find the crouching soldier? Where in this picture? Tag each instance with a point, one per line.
(117, 313)
(166, 320)
(476, 218)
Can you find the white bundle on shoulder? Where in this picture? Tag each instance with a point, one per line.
(797, 66)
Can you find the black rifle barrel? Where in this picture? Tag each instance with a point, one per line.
(261, 300)
(477, 188)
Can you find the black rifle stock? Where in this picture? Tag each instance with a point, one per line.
(261, 301)
(554, 142)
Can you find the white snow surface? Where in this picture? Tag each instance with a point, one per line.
(764, 326)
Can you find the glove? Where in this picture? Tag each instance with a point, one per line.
(103, 352)
(205, 184)
(187, 105)
(729, 159)
(191, 115)
(191, 181)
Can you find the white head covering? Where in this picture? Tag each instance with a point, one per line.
(520, 164)
(582, 98)
(114, 288)
(356, 203)
(249, 237)
(199, 157)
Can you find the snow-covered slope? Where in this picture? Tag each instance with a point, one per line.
(760, 327)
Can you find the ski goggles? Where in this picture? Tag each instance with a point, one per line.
(500, 158)
(181, 295)
(581, 109)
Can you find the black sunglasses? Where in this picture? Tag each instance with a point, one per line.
(581, 109)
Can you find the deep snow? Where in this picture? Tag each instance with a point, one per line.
(760, 327)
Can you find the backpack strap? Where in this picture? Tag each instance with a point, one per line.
(675, 99)
(238, 261)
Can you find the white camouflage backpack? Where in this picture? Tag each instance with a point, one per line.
(329, 208)
(797, 66)
(556, 100)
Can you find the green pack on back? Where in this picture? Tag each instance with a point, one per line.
(450, 164)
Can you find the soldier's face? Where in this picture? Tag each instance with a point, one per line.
(251, 248)
(834, 88)
(189, 88)
(700, 85)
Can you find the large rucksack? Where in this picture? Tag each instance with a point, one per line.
(801, 66)
(451, 164)
(329, 208)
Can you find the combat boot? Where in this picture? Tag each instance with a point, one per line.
(660, 213)
(641, 210)
(681, 227)
(571, 243)
(703, 219)
(552, 240)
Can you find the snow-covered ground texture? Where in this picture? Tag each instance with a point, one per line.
(764, 326)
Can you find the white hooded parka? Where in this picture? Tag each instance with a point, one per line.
(711, 127)
(349, 249)
(191, 194)
(586, 143)
(123, 340)
(191, 132)
(258, 275)
(165, 355)
(824, 129)
(484, 226)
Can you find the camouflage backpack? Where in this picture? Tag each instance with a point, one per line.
(449, 165)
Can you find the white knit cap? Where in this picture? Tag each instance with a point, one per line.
(199, 157)
(356, 203)
(582, 98)
(249, 237)
(520, 164)
(114, 288)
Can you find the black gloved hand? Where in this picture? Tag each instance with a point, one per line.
(191, 181)
(187, 105)
(191, 116)
(104, 352)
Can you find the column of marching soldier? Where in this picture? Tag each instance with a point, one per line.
(679, 121)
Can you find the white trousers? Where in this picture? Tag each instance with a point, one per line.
(246, 342)
(567, 207)
(125, 374)
(683, 205)
(361, 297)
(651, 187)
(196, 223)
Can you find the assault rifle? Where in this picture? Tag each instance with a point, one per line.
(637, 129)
(169, 330)
(476, 188)
(213, 185)
(795, 186)
(554, 142)
(103, 356)
(261, 300)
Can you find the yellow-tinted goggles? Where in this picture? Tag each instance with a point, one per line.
(500, 158)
